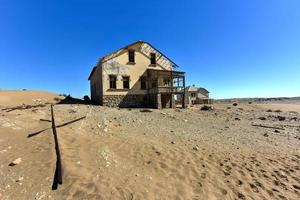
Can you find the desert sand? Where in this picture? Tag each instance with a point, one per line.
(160, 154)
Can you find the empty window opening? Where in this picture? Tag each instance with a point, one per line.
(112, 82)
(126, 82)
(153, 58)
(166, 82)
(131, 57)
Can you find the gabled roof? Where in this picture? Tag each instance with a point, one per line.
(192, 88)
(141, 42)
(203, 89)
(111, 55)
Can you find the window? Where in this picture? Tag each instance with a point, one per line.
(112, 82)
(153, 58)
(143, 83)
(126, 82)
(131, 56)
(166, 82)
(193, 94)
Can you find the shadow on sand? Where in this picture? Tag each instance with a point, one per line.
(72, 100)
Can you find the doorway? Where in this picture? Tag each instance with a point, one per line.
(165, 101)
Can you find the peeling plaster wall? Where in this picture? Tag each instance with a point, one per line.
(119, 66)
(160, 59)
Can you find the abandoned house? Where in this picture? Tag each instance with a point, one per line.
(197, 95)
(137, 75)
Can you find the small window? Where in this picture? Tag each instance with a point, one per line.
(153, 58)
(193, 94)
(131, 58)
(143, 83)
(112, 82)
(166, 82)
(126, 82)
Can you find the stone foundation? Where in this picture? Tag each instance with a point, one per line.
(140, 101)
(125, 101)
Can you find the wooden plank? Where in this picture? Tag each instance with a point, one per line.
(58, 171)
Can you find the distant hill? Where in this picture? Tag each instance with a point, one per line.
(259, 99)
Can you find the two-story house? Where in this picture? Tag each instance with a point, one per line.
(137, 75)
(197, 95)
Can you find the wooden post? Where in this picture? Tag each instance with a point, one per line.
(172, 106)
(183, 95)
(58, 171)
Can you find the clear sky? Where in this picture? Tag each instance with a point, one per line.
(234, 48)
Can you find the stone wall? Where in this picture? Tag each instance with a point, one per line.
(125, 101)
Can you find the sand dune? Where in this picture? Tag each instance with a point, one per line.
(164, 154)
(29, 97)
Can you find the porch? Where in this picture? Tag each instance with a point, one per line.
(166, 89)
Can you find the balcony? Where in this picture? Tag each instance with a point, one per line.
(161, 81)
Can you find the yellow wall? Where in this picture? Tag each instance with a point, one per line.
(135, 71)
(117, 64)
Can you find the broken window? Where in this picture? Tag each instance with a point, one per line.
(153, 58)
(112, 81)
(131, 58)
(126, 82)
(166, 82)
(143, 83)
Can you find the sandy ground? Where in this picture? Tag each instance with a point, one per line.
(18, 97)
(163, 154)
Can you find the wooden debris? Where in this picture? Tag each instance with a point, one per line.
(265, 126)
(45, 120)
(58, 171)
(23, 107)
(61, 125)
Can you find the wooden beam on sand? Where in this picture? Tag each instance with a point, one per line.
(265, 126)
(58, 126)
(23, 107)
(293, 126)
(45, 120)
(58, 171)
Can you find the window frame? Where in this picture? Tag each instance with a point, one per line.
(166, 80)
(112, 84)
(152, 58)
(128, 80)
(131, 56)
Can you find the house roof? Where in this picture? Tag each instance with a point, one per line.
(192, 88)
(126, 47)
(204, 89)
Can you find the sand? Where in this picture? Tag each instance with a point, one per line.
(29, 97)
(163, 154)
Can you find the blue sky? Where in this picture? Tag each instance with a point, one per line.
(233, 48)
